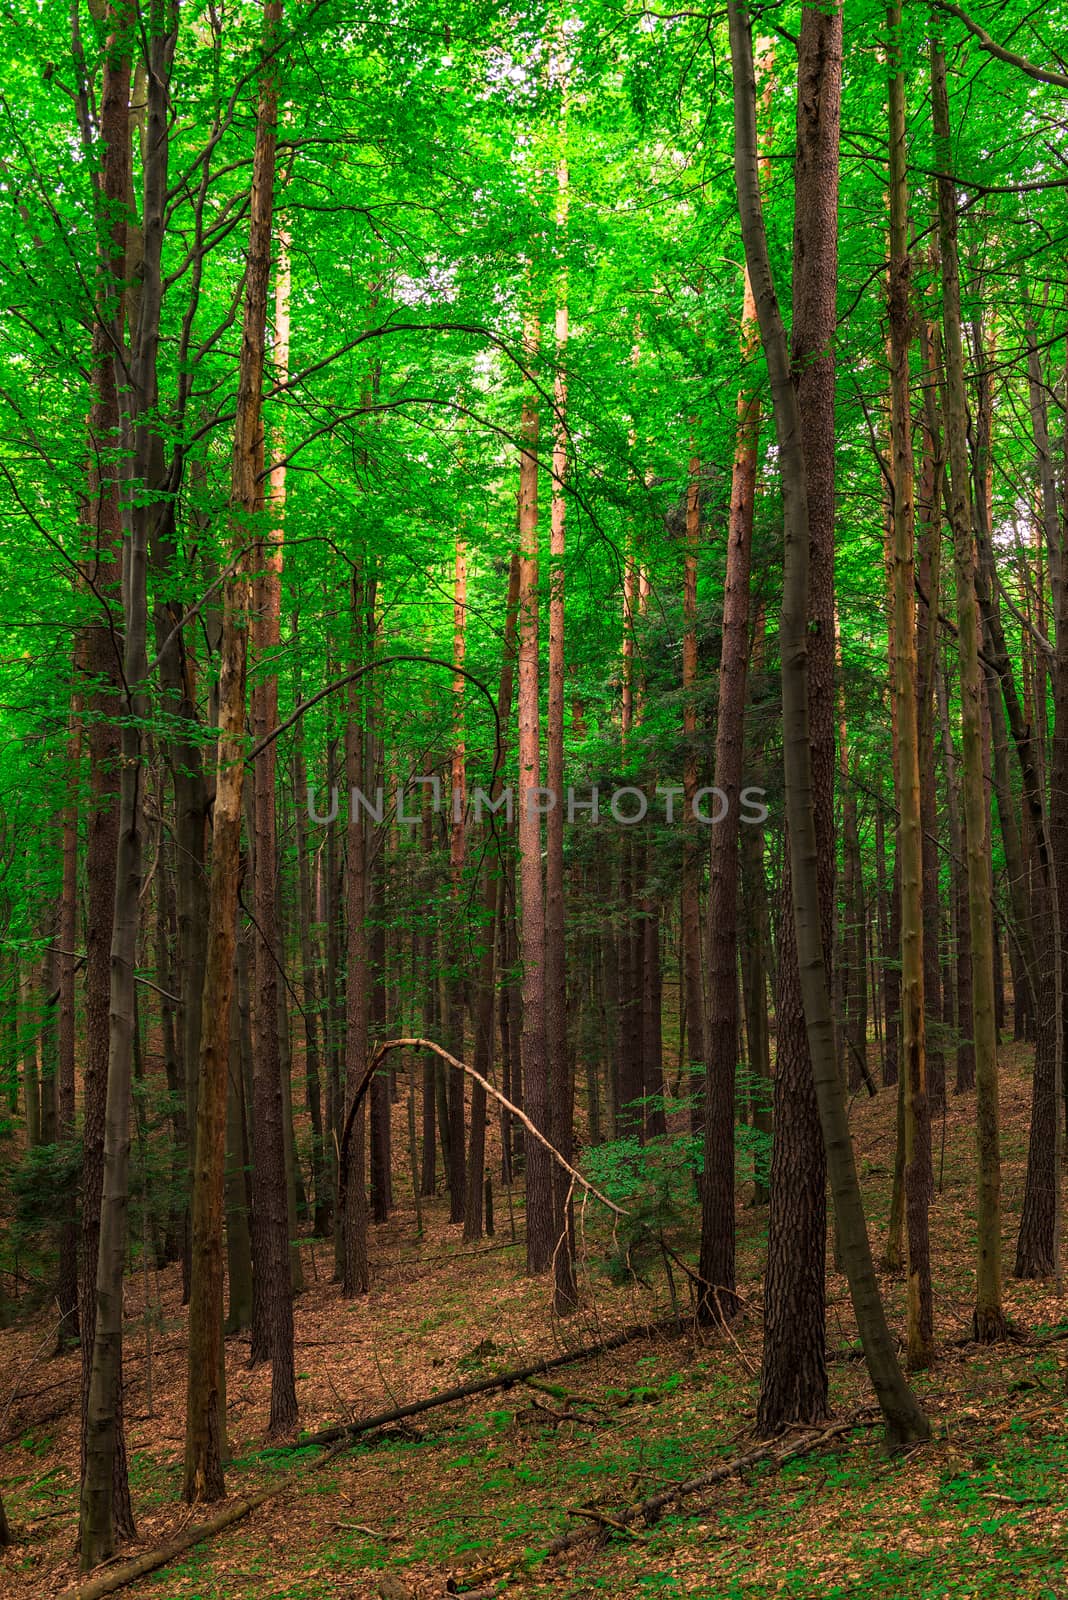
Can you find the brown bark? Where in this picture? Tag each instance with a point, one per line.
(493, 886)
(105, 1511)
(457, 860)
(989, 1317)
(66, 938)
(561, 1084)
(310, 994)
(272, 1300)
(354, 1269)
(205, 1414)
(803, 401)
(718, 1299)
(98, 661)
(915, 1109)
(693, 967)
(540, 1239)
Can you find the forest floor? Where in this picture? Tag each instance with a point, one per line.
(476, 1491)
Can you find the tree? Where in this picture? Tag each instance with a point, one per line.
(989, 1318)
(917, 1125)
(819, 69)
(205, 1405)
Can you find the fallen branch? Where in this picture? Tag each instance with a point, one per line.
(649, 1510)
(118, 1577)
(502, 1380)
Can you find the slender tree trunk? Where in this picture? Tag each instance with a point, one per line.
(272, 1294)
(238, 1232)
(205, 1413)
(989, 1318)
(355, 1269)
(457, 860)
(693, 966)
(99, 662)
(806, 465)
(310, 987)
(718, 1298)
(67, 936)
(428, 970)
(105, 1513)
(540, 1238)
(492, 908)
(1038, 1243)
(561, 1085)
(916, 1112)
(929, 594)
(381, 1084)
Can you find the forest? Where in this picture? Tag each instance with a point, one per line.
(533, 799)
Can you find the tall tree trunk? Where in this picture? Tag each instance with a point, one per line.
(354, 1266)
(205, 1404)
(804, 419)
(310, 987)
(457, 858)
(67, 936)
(989, 1318)
(561, 1086)
(99, 662)
(272, 1296)
(1038, 1243)
(493, 886)
(691, 842)
(540, 1238)
(929, 589)
(916, 1112)
(105, 1513)
(718, 1299)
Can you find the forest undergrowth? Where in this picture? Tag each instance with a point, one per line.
(468, 1498)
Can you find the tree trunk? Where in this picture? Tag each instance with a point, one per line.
(989, 1318)
(205, 1414)
(492, 908)
(718, 1299)
(561, 1087)
(540, 1239)
(67, 936)
(355, 1269)
(457, 858)
(693, 966)
(104, 1513)
(804, 420)
(100, 665)
(916, 1112)
(310, 987)
(238, 1232)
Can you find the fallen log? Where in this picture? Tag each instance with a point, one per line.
(500, 1381)
(129, 1571)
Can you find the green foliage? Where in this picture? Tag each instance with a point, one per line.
(45, 1187)
(654, 1183)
